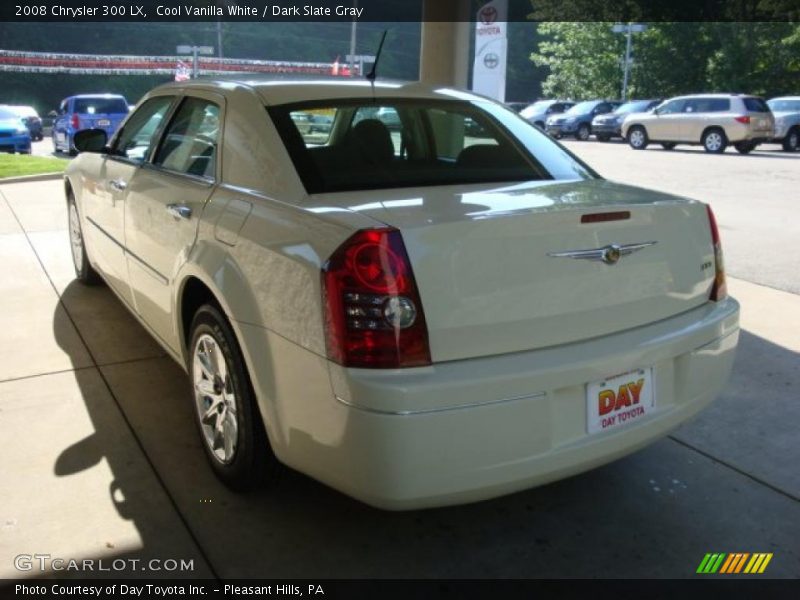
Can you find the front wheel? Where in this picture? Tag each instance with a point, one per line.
(744, 147)
(84, 272)
(791, 142)
(227, 416)
(583, 133)
(637, 138)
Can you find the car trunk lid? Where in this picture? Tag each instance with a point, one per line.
(494, 272)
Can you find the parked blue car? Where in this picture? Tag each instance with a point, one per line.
(87, 111)
(14, 135)
(577, 121)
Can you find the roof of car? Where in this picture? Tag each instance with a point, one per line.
(715, 95)
(288, 91)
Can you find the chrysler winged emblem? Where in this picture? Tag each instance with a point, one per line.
(608, 254)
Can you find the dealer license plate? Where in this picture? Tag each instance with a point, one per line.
(619, 400)
(103, 122)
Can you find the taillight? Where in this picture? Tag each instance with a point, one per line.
(373, 313)
(743, 119)
(75, 121)
(719, 290)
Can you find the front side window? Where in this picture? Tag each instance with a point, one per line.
(406, 143)
(190, 142)
(138, 134)
(671, 107)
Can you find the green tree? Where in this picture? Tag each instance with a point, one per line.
(583, 60)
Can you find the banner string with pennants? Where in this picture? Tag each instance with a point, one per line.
(107, 64)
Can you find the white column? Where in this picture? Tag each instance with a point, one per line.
(445, 54)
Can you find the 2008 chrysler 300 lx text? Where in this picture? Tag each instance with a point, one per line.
(425, 316)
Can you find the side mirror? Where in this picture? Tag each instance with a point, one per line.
(90, 140)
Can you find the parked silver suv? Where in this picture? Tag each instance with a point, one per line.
(787, 121)
(712, 120)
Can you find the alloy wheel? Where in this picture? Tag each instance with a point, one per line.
(75, 237)
(637, 138)
(215, 399)
(713, 141)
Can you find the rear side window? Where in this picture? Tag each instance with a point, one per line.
(100, 106)
(190, 142)
(708, 105)
(755, 105)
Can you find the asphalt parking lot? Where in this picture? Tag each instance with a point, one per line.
(102, 459)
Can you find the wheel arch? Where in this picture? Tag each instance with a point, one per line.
(197, 287)
(710, 128)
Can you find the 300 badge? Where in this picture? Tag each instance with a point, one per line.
(619, 400)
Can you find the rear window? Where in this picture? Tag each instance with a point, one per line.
(756, 105)
(408, 143)
(100, 106)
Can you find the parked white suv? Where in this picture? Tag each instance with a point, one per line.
(711, 120)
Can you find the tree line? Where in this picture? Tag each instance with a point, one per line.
(584, 60)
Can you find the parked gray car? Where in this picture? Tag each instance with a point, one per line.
(787, 121)
(537, 113)
(609, 125)
(577, 121)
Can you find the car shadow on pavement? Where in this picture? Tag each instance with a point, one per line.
(135, 490)
(652, 514)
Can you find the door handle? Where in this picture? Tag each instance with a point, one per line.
(180, 211)
(118, 184)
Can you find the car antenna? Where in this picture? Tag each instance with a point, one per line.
(373, 71)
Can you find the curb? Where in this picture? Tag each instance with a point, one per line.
(32, 178)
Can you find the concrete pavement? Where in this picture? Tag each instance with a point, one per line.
(103, 460)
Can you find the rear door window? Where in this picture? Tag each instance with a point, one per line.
(190, 142)
(708, 105)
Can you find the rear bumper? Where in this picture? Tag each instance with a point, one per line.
(474, 429)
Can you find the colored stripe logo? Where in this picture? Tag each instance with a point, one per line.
(734, 563)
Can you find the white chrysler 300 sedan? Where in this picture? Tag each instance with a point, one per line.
(427, 315)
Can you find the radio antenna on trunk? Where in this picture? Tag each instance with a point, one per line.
(373, 71)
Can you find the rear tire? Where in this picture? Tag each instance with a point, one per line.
(744, 147)
(583, 133)
(226, 413)
(84, 272)
(637, 138)
(791, 143)
(714, 141)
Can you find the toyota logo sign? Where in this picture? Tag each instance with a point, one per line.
(488, 15)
